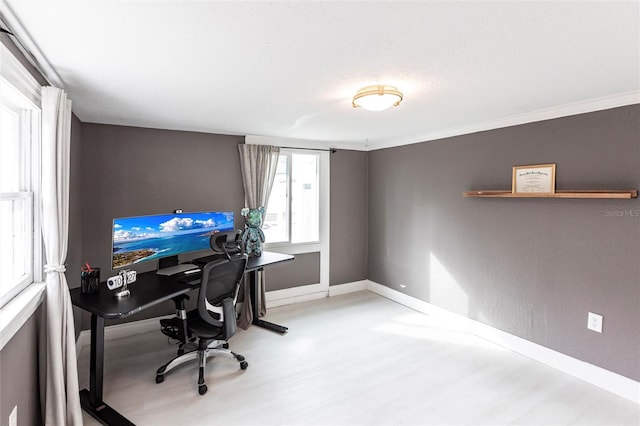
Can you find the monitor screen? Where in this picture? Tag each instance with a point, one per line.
(142, 238)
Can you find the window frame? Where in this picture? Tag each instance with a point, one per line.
(19, 303)
(27, 278)
(325, 209)
(307, 246)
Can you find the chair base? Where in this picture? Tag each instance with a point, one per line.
(202, 353)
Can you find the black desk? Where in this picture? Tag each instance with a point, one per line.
(255, 265)
(149, 289)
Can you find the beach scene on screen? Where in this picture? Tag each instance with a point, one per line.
(142, 238)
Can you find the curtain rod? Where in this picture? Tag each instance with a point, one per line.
(331, 150)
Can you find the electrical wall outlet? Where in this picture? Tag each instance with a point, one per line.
(594, 322)
(131, 276)
(114, 282)
(13, 417)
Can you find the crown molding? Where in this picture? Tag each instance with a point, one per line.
(15, 73)
(566, 110)
(574, 108)
(28, 47)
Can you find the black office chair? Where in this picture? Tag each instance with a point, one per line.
(213, 323)
(228, 243)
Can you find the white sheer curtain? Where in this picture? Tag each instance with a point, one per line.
(57, 354)
(258, 164)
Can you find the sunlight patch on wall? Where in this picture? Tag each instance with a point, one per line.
(444, 289)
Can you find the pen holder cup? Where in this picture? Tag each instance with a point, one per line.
(89, 281)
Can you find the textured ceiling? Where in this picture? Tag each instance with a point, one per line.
(288, 69)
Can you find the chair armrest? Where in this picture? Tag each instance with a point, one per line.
(227, 314)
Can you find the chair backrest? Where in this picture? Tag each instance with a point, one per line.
(228, 243)
(219, 290)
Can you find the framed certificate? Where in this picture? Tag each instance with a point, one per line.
(537, 178)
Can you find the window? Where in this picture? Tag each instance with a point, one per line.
(19, 165)
(297, 218)
(293, 212)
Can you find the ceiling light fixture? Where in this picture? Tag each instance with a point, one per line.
(377, 98)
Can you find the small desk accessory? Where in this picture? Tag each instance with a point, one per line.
(121, 281)
(253, 237)
(89, 279)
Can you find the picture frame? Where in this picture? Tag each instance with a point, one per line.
(534, 178)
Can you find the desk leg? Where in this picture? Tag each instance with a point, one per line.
(253, 279)
(96, 361)
(91, 399)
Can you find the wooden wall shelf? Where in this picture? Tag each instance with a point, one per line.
(596, 193)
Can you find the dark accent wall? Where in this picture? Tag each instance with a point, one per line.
(531, 267)
(19, 372)
(131, 171)
(304, 270)
(74, 252)
(349, 217)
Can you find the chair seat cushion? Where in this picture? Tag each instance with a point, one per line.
(199, 328)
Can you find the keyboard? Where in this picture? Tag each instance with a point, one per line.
(201, 261)
(177, 269)
(191, 277)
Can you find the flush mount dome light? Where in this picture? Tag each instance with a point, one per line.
(377, 98)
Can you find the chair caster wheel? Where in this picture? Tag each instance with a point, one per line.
(225, 345)
(159, 379)
(244, 365)
(202, 389)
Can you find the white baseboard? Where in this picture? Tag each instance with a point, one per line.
(305, 293)
(605, 379)
(336, 290)
(292, 295)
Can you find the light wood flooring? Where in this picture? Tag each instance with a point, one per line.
(355, 359)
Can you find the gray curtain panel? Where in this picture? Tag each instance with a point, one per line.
(258, 164)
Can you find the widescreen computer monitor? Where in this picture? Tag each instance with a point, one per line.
(143, 238)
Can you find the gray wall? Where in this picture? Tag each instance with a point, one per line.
(349, 217)
(531, 267)
(130, 171)
(305, 269)
(74, 252)
(19, 373)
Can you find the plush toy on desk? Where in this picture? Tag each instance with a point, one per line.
(253, 236)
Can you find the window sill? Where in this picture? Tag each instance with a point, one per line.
(287, 248)
(15, 313)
